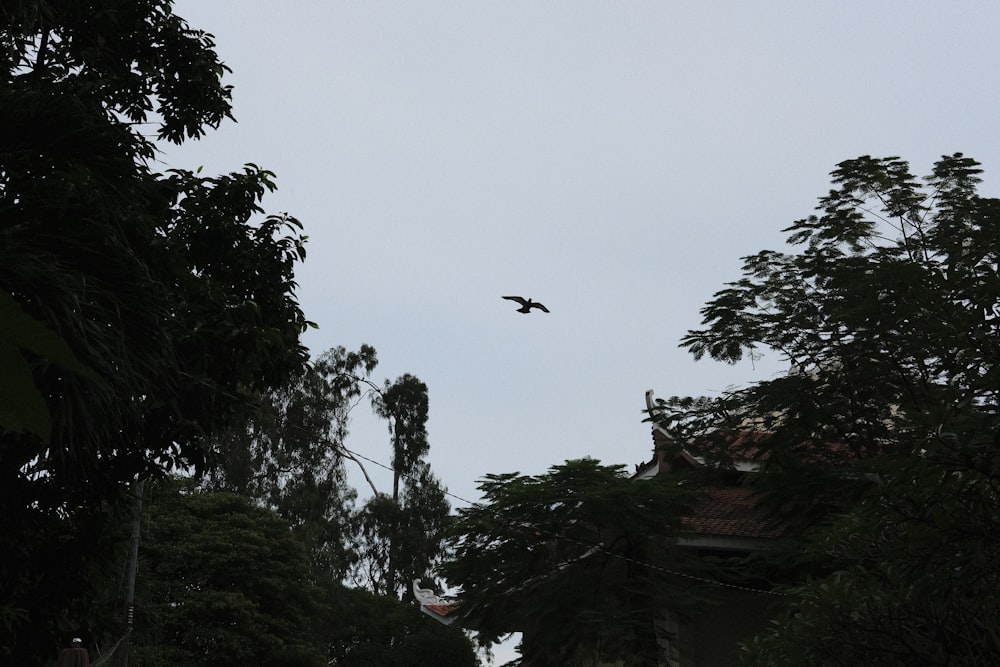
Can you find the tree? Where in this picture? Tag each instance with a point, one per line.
(564, 558)
(398, 541)
(364, 629)
(290, 457)
(404, 403)
(399, 537)
(224, 582)
(168, 305)
(159, 284)
(881, 447)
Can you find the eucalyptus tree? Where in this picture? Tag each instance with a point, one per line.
(291, 456)
(398, 536)
(881, 446)
(404, 403)
(398, 541)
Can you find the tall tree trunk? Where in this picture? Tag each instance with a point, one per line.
(390, 579)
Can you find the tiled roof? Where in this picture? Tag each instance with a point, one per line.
(440, 612)
(729, 512)
(441, 609)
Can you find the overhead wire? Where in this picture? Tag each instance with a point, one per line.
(595, 548)
(592, 548)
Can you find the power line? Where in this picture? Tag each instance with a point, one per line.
(592, 548)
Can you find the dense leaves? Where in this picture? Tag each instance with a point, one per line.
(23, 406)
(368, 630)
(399, 536)
(226, 582)
(563, 557)
(160, 284)
(291, 455)
(223, 582)
(292, 458)
(168, 304)
(137, 59)
(397, 541)
(880, 445)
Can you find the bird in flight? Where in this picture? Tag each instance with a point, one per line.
(527, 304)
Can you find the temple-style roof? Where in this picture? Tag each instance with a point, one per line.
(444, 613)
(729, 512)
(724, 516)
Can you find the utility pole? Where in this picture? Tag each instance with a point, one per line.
(133, 562)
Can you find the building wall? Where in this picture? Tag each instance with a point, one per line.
(715, 632)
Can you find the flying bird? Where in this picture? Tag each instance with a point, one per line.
(527, 304)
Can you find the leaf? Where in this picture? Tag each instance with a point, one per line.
(22, 407)
(23, 331)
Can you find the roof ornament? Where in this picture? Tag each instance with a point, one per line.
(426, 595)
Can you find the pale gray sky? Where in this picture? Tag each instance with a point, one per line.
(613, 160)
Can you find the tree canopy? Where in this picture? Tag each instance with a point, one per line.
(364, 629)
(147, 309)
(563, 557)
(292, 457)
(223, 582)
(398, 537)
(164, 286)
(880, 446)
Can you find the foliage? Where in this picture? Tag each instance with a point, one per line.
(398, 538)
(562, 557)
(396, 542)
(880, 447)
(223, 582)
(368, 630)
(22, 406)
(404, 403)
(290, 456)
(226, 582)
(175, 306)
(139, 58)
(68, 567)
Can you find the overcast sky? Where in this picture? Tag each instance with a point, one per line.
(613, 160)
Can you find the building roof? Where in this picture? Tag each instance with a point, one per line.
(444, 613)
(729, 512)
(722, 511)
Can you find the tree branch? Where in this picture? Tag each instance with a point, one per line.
(350, 455)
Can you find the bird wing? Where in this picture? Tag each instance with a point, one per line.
(520, 299)
(540, 307)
